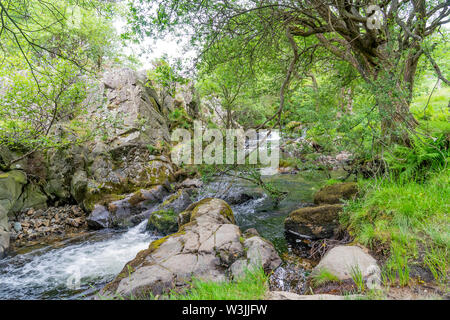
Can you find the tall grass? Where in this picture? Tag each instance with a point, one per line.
(410, 218)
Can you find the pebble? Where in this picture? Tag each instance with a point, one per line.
(34, 224)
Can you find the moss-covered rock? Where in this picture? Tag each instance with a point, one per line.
(164, 221)
(333, 194)
(314, 222)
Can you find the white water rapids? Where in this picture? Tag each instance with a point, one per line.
(48, 273)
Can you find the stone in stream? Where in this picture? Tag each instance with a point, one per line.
(346, 261)
(333, 194)
(99, 218)
(314, 223)
(205, 248)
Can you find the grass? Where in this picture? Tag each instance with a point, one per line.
(358, 278)
(322, 277)
(251, 286)
(410, 219)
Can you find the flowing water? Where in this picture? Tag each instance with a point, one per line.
(53, 273)
(77, 268)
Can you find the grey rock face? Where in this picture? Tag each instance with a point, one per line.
(206, 247)
(118, 161)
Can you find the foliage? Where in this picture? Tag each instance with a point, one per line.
(166, 78)
(28, 112)
(416, 162)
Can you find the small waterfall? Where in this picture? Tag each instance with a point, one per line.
(74, 270)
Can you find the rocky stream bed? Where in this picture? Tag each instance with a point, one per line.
(43, 267)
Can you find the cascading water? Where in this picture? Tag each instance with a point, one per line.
(48, 273)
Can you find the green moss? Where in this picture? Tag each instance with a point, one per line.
(172, 198)
(164, 221)
(17, 176)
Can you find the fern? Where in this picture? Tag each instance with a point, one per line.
(414, 163)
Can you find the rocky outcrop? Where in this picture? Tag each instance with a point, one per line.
(346, 261)
(208, 246)
(335, 193)
(314, 222)
(124, 114)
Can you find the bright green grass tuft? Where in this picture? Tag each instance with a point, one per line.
(322, 277)
(252, 286)
(411, 219)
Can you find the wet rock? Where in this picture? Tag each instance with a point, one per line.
(127, 210)
(204, 247)
(344, 261)
(314, 222)
(333, 194)
(99, 218)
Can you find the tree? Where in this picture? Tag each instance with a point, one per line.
(227, 83)
(47, 52)
(384, 43)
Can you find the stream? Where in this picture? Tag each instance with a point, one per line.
(51, 272)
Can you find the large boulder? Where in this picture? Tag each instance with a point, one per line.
(335, 193)
(205, 248)
(345, 262)
(314, 223)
